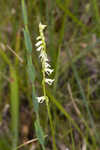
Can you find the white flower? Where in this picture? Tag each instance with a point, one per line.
(41, 26)
(47, 65)
(43, 56)
(49, 81)
(38, 43)
(38, 38)
(41, 99)
(48, 71)
(39, 48)
(67, 149)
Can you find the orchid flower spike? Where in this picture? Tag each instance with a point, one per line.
(46, 67)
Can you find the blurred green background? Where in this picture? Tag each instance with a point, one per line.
(73, 47)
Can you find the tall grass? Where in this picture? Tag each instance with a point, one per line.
(14, 101)
(72, 38)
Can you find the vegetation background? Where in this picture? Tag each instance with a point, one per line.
(73, 47)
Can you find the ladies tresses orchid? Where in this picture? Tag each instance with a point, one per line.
(46, 67)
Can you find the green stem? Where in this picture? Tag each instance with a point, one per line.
(51, 124)
(48, 108)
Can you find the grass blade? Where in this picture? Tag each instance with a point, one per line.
(14, 107)
(85, 102)
(24, 12)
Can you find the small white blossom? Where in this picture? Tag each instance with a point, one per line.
(47, 65)
(49, 81)
(43, 56)
(41, 26)
(39, 48)
(48, 71)
(41, 99)
(38, 38)
(38, 43)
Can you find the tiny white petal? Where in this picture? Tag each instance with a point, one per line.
(38, 43)
(47, 65)
(43, 56)
(38, 38)
(39, 48)
(41, 26)
(41, 99)
(46, 59)
(67, 149)
(49, 81)
(48, 70)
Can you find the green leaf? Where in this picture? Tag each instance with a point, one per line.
(14, 107)
(24, 12)
(31, 70)
(39, 133)
(28, 43)
(35, 102)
